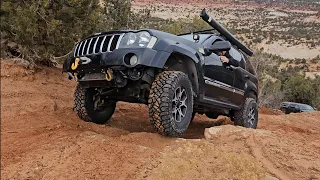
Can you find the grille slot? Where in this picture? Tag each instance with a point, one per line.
(105, 44)
(83, 47)
(114, 42)
(94, 40)
(99, 41)
(80, 47)
(97, 44)
(75, 50)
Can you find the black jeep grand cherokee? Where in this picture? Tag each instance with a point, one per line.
(176, 76)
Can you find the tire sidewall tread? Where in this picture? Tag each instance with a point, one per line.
(240, 117)
(160, 102)
(84, 107)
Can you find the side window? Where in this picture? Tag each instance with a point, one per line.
(301, 107)
(237, 56)
(213, 60)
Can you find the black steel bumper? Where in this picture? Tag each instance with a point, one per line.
(146, 57)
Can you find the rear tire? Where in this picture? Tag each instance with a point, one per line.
(247, 116)
(84, 105)
(171, 103)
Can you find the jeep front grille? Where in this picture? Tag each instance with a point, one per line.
(97, 44)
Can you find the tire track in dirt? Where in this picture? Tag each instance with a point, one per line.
(258, 154)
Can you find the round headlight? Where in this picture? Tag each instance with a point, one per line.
(131, 38)
(133, 60)
(144, 39)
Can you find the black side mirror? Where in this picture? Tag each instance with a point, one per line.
(217, 46)
(220, 46)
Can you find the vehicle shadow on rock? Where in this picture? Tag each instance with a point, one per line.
(200, 123)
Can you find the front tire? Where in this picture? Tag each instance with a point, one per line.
(171, 103)
(247, 116)
(87, 108)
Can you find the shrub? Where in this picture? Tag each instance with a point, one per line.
(299, 89)
(49, 28)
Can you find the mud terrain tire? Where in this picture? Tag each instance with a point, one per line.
(171, 103)
(247, 116)
(84, 106)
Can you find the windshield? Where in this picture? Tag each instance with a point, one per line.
(203, 37)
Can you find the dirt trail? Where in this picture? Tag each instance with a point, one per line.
(42, 138)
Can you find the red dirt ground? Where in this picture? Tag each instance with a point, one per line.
(42, 138)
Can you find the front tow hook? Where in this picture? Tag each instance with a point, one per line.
(109, 75)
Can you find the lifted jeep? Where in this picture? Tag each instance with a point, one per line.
(176, 76)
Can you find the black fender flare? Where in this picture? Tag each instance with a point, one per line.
(191, 65)
(251, 87)
(176, 48)
(184, 50)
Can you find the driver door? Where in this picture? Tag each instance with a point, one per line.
(218, 80)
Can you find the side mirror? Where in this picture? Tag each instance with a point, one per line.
(220, 46)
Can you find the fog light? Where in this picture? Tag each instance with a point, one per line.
(133, 60)
(130, 60)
